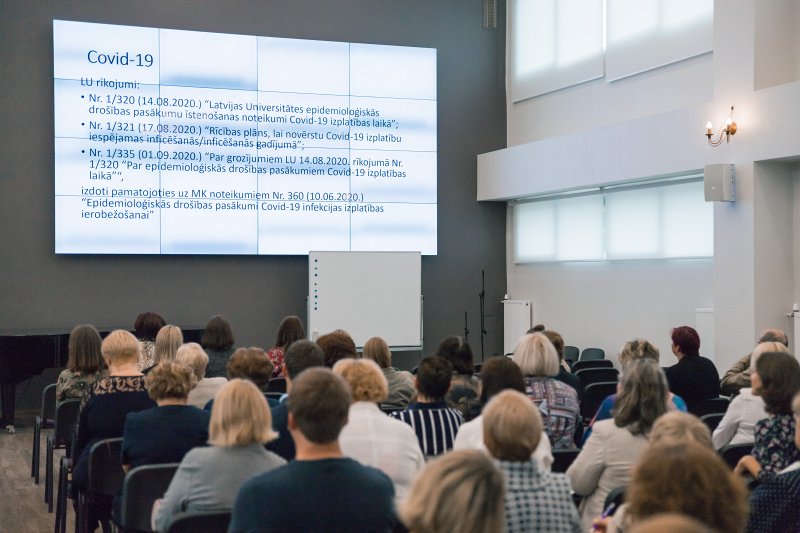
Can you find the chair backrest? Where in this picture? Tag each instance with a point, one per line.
(590, 354)
(617, 497)
(191, 522)
(707, 407)
(562, 458)
(277, 385)
(143, 485)
(596, 375)
(733, 452)
(48, 408)
(593, 396)
(105, 467)
(571, 353)
(591, 363)
(65, 419)
(712, 420)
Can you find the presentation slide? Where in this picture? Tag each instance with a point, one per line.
(183, 142)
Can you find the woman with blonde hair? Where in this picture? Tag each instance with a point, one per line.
(401, 383)
(677, 427)
(460, 491)
(168, 340)
(372, 438)
(606, 460)
(557, 402)
(739, 423)
(192, 355)
(208, 478)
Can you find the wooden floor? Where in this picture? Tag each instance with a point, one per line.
(22, 507)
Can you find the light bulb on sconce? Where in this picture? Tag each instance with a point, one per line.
(725, 131)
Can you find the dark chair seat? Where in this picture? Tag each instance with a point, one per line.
(143, 485)
(712, 420)
(596, 363)
(200, 522)
(106, 478)
(733, 452)
(592, 354)
(596, 375)
(615, 497)
(65, 419)
(707, 407)
(44, 420)
(593, 396)
(562, 458)
(277, 385)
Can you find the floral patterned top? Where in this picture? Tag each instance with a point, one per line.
(72, 384)
(276, 356)
(774, 447)
(147, 355)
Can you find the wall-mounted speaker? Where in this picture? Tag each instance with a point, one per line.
(719, 183)
(490, 14)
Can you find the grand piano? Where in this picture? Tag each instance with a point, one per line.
(26, 353)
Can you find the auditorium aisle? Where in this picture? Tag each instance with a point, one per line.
(22, 507)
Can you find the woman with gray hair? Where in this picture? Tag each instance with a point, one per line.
(557, 402)
(606, 459)
(193, 356)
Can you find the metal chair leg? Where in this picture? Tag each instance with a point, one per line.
(48, 474)
(37, 447)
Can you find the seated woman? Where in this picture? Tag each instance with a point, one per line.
(777, 380)
(192, 355)
(168, 340)
(252, 364)
(688, 479)
(606, 459)
(290, 329)
(401, 383)
(147, 326)
(739, 423)
(372, 438)
(632, 350)
(557, 401)
(498, 374)
(209, 477)
(111, 399)
(336, 345)
(218, 342)
(464, 386)
(460, 491)
(84, 364)
(164, 433)
(536, 500)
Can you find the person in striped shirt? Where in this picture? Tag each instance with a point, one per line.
(434, 423)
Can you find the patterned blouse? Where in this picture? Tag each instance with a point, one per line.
(537, 500)
(775, 505)
(774, 447)
(276, 356)
(76, 384)
(558, 405)
(147, 355)
(464, 395)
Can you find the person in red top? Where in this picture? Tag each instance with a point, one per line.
(291, 329)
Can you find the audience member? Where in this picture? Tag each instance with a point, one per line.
(84, 364)
(320, 490)
(337, 345)
(606, 459)
(631, 351)
(460, 491)
(168, 340)
(677, 428)
(775, 504)
(670, 523)
(218, 342)
(538, 328)
(738, 377)
(103, 416)
(164, 434)
(147, 326)
(434, 423)
(300, 356)
(738, 424)
(464, 385)
(192, 355)
(536, 500)
(564, 374)
(401, 383)
(290, 329)
(557, 401)
(372, 438)
(253, 364)
(691, 480)
(498, 374)
(776, 378)
(694, 378)
(208, 478)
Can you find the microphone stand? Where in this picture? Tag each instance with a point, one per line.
(482, 297)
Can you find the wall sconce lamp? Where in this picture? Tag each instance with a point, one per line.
(725, 131)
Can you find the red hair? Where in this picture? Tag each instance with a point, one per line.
(686, 339)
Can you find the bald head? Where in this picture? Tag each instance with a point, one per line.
(774, 335)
